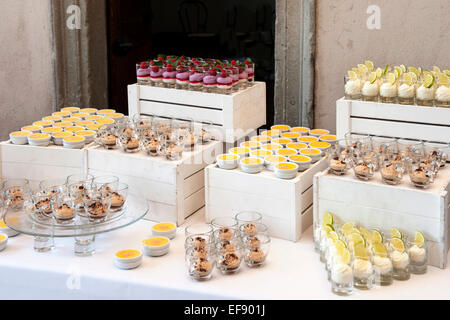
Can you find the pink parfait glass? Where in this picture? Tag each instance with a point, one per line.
(169, 76)
(196, 79)
(182, 77)
(234, 74)
(143, 73)
(243, 77)
(210, 80)
(224, 82)
(156, 75)
(250, 69)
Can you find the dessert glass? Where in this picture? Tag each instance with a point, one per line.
(202, 229)
(77, 192)
(210, 81)
(97, 204)
(243, 77)
(229, 255)
(252, 229)
(248, 217)
(169, 76)
(383, 267)
(172, 149)
(143, 73)
(442, 95)
(341, 276)
(162, 127)
(42, 205)
(152, 147)
(106, 137)
(118, 192)
(63, 207)
(256, 249)
(200, 269)
(182, 77)
(365, 166)
(388, 91)
(406, 92)
(408, 149)
(103, 181)
(370, 91)
(340, 157)
(363, 272)
(196, 79)
(250, 69)
(234, 74)
(52, 186)
(225, 227)
(392, 169)
(422, 172)
(352, 88)
(156, 75)
(436, 153)
(224, 82)
(129, 138)
(424, 96)
(418, 258)
(400, 262)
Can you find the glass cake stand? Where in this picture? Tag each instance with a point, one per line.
(81, 229)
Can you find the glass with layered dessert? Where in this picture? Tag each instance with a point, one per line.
(107, 137)
(382, 264)
(400, 259)
(426, 90)
(256, 249)
(118, 192)
(363, 271)
(340, 157)
(392, 168)
(409, 149)
(352, 86)
(229, 254)
(97, 204)
(342, 274)
(129, 137)
(436, 152)
(388, 89)
(42, 204)
(407, 88)
(442, 94)
(418, 254)
(64, 211)
(422, 172)
(364, 166)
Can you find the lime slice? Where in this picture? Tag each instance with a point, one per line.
(347, 227)
(379, 72)
(403, 67)
(395, 233)
(447, 72)
(398, 244)
(376, 236)
(419, 239)
(363, 68)
(407, 78)
(328, 228)
(415, 70)
(386, 69)
(413, 76)
(352, 75)
(429, 80)
(436, 70)
(327, 219)
(398, 71)
(360, 251)
(345, 257)
(357, 71)
(373, 77)
(392, 78)
(333, 235)
(443, 79)
(357, 238)
(340, 246)
(369, 65)
(379, 249)
(366, 234)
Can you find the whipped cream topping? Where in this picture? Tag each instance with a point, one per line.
(362, 269)
(400, 260)
(342, 273)
(425, 93)
(370, 89)
(382, 265)
(417, 254)
(406, 91)
(388, 90)
(353, 87)
(443, 93)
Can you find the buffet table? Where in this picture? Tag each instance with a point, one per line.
(293, 271)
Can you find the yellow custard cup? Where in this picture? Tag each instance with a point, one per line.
(286, 170)
(33, 129)
(271, 161)
(324, 146)
(252, 145)
(313, 153)
(20, 137)
(303, 162)
(262, 139)
(281, 127)
(302, 130)
(319, 132)
(262, 154)
(307, 139)
(53, 118)
(71, 110)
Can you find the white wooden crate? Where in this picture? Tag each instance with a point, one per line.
(40, 163)
(235, 115)
(175, 189)
(393, 120)
(374, 204)
(286, 205)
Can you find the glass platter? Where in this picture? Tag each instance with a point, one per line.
(24, 221)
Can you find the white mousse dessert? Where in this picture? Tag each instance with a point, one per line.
(406, 91)
(417, 254)
(370, 89)
(353, 87)
(362, 269)
(342, 273)
(382, 265)
(400, 260)
(388, 90)
(424, 93)
(443, 94)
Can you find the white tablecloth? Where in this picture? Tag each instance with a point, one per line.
(293, 271)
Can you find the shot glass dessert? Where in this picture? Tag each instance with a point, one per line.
(340, 157)
(370, 91)
(210, 81)
(425, 91)
(382, 265)
(224, 82)
(442, 95)
(352, 86)
(342, 274)
(196, 79)
(107, 138)
(143, 73)
(169, 76)
(63, 208)
(182, 78)
(118, 192)
(392, 169)
(129, 140)
(97, 204)
(364, 167)
(156, 75)
(388, 90)
(229, 256)
(406, 91)
(400, 259)
(436, 152)
(256, 249)
(243, 77)
(422, 172)
(418, 254)
(363, 271)
(250, 69)
(42, 204)
(200, 269)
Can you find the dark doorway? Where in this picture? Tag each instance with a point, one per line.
(233, 29)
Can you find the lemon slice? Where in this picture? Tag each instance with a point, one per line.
(398, 71)
(357, 71)
(379, 249)
(363, 68)
(360, 251)
(395, 233)
(366, 234)
(345, 257)
(328, 228)
(413, 76)
(327, 219)
(376, 236)
(386, 69)
(407, 78)
(352, 75)
(419, 239)
(403, 67)
(357, 238)
(392, 78)
(340, 246)
(436, 70)
(443, 79)
(333, 235)
(369, 65)
(373, 77)
(415, 70)
(398, 244)
(347, 227)
(379, 72)
(429, 80)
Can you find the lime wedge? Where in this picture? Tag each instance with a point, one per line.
(386, 69)
(395, 233)
(447, 72)
(415, 70)
(360, 251)
(413, 76)
(379, 249)
(408, 79)
(392, 78)
(347, 227)
(443, 79)
(398, 71)
(345, 257)
(376, 236)
(363, 68)
(397, 244)
(357, 71)
(340, 246)
(420, 70)
(333, 235)
(419, 239)
(429, 80)
(327, 218)
(352, 75)
(366, 234)
(403, 67)
(328, 228)
(369, 65)
(379, 73)
(357, 238)
(373, 77)
(436, 70)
